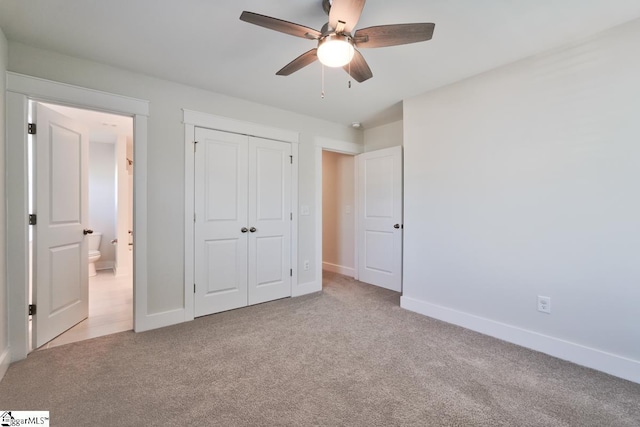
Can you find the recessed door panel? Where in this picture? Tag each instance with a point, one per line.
(379, 197)
(269, 184)
(379, 257)
(66, 174)
(66, 283)
(270, 252)
(224, 266)
(221, 180)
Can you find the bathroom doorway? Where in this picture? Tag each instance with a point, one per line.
(109, 243)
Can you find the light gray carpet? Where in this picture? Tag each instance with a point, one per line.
(347, 356)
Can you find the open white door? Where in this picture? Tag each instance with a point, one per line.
(269, 220)
(61, 282)
(380, 218)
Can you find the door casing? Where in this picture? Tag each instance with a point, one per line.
(20, 90)
(343, 147)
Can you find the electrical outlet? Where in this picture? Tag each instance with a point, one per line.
(306, 265)
(544, 304)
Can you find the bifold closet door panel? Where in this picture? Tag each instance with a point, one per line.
(270, 216)
(221, 206)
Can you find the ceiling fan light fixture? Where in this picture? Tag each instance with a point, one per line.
(335, 50)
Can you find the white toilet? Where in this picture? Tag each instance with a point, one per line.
(94, 253)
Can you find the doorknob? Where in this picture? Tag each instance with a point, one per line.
(87, 231)
(253, 229)
(396, 226)
(244, 229)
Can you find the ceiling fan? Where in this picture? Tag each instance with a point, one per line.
(337, 43)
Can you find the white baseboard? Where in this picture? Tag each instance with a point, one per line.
(306, 288)
(5, 360)
(612, 364)
(334, 268)
(173, 317)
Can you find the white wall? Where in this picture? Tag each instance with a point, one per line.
(102, 198)
(4, 317)
(166, 155)
(338, 220)
(523, 181)
(384, 136)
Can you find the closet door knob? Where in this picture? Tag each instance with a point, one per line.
(244, 229)
(253, 229)
(87, 231)
(396, 226)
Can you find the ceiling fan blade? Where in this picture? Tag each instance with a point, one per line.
(298, 63)
(393, 35)
(280, 25)
(347, 11)
(358, 68)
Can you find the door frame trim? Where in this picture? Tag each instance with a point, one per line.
(20, 90)
(343, 147)
(193, 119)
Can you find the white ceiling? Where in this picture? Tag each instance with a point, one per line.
(203, 43)
(102, 127)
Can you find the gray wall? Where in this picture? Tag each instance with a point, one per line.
(523, 181)
(166, 155)
(384, 136)
(4, 319)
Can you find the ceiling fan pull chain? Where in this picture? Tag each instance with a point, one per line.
(322, 93)
(349, 74)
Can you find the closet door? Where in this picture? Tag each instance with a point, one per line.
(270, 220)
(220, 218)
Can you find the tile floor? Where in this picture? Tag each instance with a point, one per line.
(110, 310)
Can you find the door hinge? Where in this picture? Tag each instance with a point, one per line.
(32, 309)
(291, 272)
(291, 157)
(194, 288)
(291, 216)
(33, 219)
(31, 128)
(194, 145)
(194, 217)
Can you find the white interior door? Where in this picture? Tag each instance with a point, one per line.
(221, 226)
(269, 220)
(380, 218)
(61, 280)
